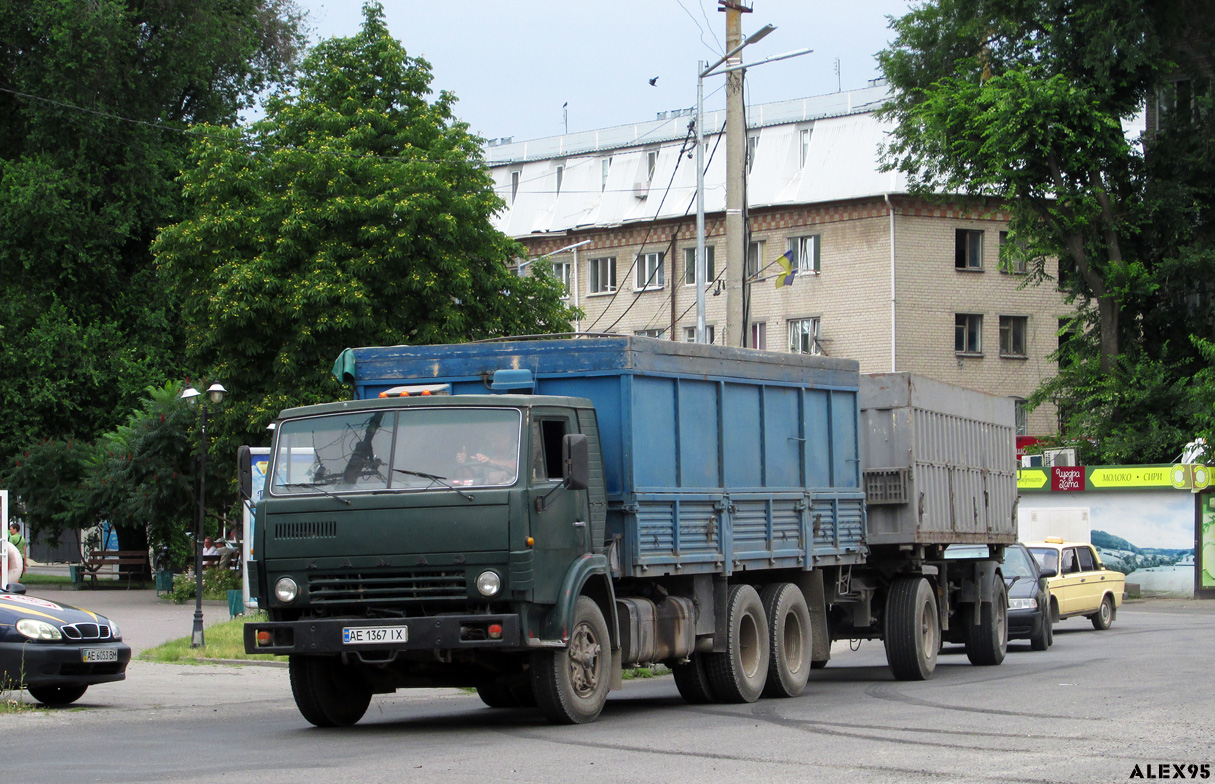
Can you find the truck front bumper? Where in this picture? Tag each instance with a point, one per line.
(376, 638)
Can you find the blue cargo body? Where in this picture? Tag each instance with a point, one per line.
(716, 460)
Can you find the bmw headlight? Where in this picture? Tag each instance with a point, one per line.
(38, 630)
(489, 583)
(286, 590)
(1023, 604)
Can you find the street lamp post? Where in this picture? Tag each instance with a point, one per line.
(215, 393)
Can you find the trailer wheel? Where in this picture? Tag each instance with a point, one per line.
(1104, 617)
(327, 692)
(692, 680)
(571, 684)
(789, 640)
(987, 643)
(818, 664)
(738, 674)
(913, 629)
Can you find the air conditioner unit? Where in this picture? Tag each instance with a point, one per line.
(1059, 457)
(1031, 461)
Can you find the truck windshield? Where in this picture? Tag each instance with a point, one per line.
(414, 449)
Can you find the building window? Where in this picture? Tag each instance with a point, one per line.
(605, 167)
(514, 185)
(689, 266)
(1013, 259)
(603, 275)
(968, 333)
(759, 336)
(560, 177)
(968, 249)
(1012, 335)
(651, 164)
(1020, 416)
(804, 135)
(689, 334)
(803, 336)
(806, 253)
(755, 254)
(649, 333)
(649, 272)
(561, 271)
(752, 146)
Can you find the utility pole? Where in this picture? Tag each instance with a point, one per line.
(736, 169)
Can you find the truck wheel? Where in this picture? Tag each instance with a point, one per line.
(1040, 640)
(1104, 617)
(738, 674)
(693, 681)
(57, 695)
(913, 629)
(496, 694)
(789, 640)
(327, 692)
(571, 684)
(987, 643)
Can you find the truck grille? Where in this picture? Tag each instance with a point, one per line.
(387, 587)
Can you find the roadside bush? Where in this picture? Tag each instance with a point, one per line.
(216, 584)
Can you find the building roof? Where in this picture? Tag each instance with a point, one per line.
(603, 178)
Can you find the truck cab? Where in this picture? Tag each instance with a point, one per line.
(403, 538)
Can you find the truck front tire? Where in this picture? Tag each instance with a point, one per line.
(913, 629)
(739, 674)
(327, 692)
(571, 684)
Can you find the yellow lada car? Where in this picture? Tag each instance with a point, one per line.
(1079, 583)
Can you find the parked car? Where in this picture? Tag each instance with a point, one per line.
(56, 651)
(1028, 596)
(1079, 583)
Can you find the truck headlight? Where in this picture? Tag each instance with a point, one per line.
(286, 590)
(489, 583)
(1023, 604)
(38, 630)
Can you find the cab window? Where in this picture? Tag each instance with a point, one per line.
(1087, 562)
(1070, 564)
(1048, 558)
(547, 436)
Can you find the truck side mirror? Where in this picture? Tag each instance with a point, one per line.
(575, 460)
(244, 462)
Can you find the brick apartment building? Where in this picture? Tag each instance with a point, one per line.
(883, 277)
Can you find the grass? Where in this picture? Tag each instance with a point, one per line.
(223, 641)
(45, 579)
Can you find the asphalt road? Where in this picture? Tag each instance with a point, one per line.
(1094, 707)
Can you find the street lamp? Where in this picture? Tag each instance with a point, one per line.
(215, 393)
(702, 72)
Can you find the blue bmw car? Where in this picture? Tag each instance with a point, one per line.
(55, 651)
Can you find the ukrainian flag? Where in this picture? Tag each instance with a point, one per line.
(786, 265)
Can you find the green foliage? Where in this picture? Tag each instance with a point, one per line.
(46, 480)
(216, 584)
(1024, 100)
(95, 95)
(362, 216)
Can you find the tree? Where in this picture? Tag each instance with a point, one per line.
(1024, 100)
(360, 215)
(93, 99)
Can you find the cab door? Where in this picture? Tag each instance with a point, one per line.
(560, 517)
(1091, 578)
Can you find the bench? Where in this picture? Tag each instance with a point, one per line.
(96, 559)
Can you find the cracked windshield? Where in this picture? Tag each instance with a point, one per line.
(397, 450)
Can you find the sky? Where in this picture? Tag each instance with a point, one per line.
(514, 65)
